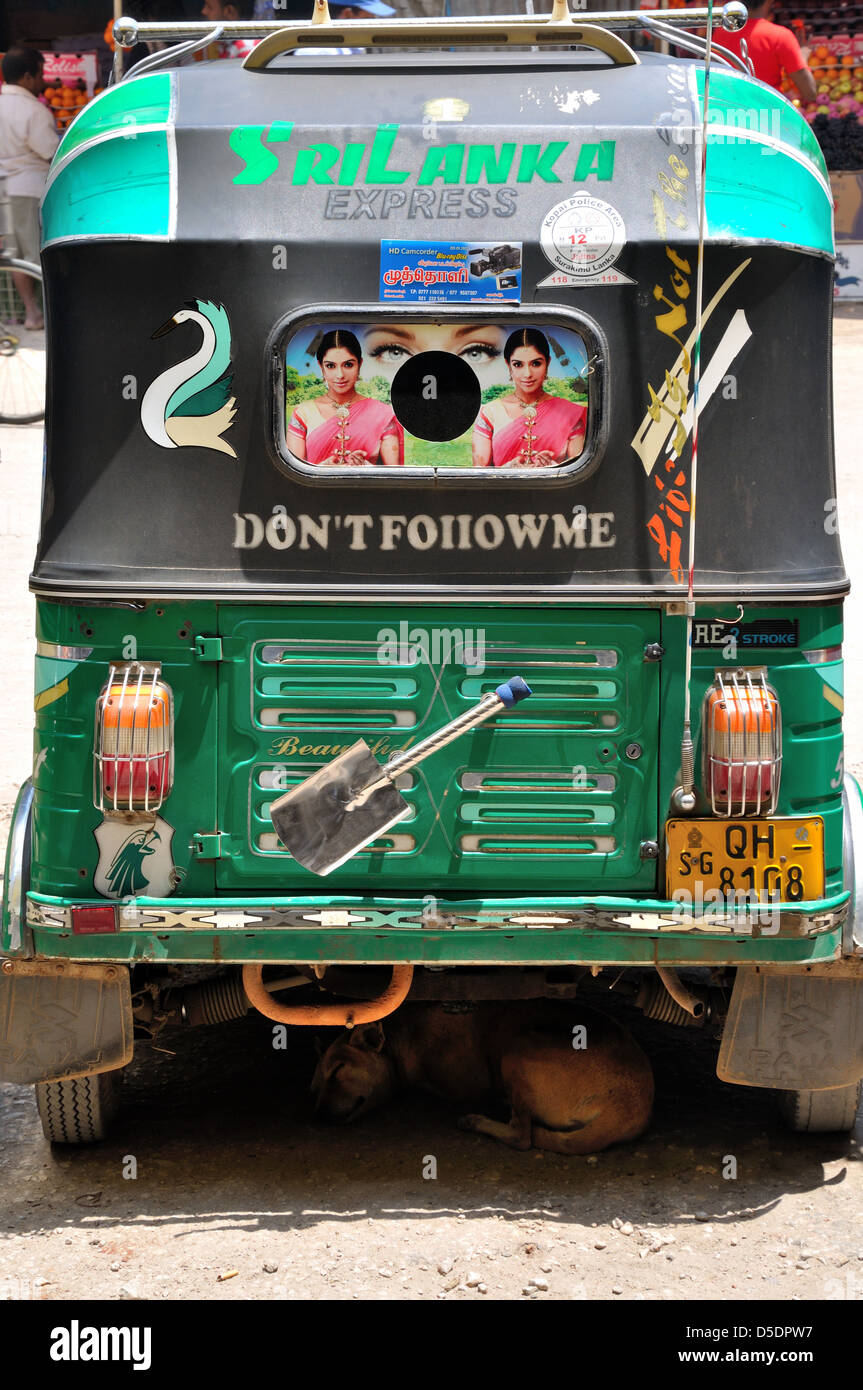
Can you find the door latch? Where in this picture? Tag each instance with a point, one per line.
(211, 844)
(208, 649)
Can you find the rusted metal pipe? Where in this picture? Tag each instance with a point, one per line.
(678, 991)
(328, 1015)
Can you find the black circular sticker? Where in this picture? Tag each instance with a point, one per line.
(436, 395)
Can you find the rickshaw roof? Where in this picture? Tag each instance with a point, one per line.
(256, 209)
(152, 156)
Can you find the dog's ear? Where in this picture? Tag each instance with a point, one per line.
(369, 1037)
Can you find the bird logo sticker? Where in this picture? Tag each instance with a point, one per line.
(190, 404)
(134, 860)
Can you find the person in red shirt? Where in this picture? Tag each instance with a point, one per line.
(771, 49)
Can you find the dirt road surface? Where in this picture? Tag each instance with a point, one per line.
(220, 1185)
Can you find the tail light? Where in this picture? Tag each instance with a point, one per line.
(742, 744)
(134, 739)
(93, 921)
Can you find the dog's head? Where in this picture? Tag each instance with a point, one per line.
(354, 1075)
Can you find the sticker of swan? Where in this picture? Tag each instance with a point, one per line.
(190, 405)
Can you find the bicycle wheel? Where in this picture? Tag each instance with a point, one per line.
(22, 349)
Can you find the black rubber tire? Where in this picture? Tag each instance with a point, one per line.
(821, 1112)
(22, 397)
(79, 1111)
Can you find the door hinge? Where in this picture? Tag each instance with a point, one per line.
(208, 649)
(211, 844)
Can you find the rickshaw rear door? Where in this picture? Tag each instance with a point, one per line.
(557, 795)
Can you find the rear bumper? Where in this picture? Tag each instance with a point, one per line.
(366, 929)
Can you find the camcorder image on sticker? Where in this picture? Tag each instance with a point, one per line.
(436, 394)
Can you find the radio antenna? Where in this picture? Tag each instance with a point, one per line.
(686, 796)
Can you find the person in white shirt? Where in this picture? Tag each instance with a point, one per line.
(28, 139)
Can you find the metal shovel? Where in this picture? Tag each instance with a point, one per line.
(352, 800)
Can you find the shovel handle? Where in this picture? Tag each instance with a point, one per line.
(504, 697)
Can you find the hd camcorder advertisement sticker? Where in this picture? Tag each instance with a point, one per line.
(458, 272)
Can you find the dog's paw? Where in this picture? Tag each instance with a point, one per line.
(470, 1122)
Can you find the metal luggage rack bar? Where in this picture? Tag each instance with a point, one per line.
(696, 44)
(593, 29)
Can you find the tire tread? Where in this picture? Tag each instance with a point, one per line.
(79, 1110)
(821, 1112)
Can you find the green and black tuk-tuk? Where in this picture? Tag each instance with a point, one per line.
(440, 313)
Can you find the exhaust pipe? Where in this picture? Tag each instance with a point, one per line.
(218, 1000)
(679, 992)
(328, 1015)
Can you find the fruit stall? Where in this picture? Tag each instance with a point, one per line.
(833, 36)
(70, 82)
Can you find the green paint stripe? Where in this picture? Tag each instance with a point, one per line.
(50, 671)
(115, 188)
(141, 101)
(833, 674)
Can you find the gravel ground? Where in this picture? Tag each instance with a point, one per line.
(238, 1194)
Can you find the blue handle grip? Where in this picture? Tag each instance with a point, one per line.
(512, 691)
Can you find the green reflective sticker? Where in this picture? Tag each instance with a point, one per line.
(747, 105)
(142, 101)
(114, 188)
(766, 176)
(782, 202)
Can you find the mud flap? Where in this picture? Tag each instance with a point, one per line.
(63, 1020)
(793, 1031)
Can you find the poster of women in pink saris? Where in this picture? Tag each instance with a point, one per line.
(532, 394)
(527, 426)
(341, 427)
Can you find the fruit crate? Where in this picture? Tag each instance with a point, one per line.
(66, 99)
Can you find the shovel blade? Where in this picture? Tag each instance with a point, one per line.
(319, 822)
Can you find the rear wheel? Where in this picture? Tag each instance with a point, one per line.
(22, 349)
(81, 1110)
(820, 1112)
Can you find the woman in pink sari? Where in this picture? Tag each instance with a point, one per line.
(343, 428)
(528, 429)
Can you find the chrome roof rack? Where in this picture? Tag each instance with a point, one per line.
(593, 29)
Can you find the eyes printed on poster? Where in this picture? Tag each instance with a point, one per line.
(445, 394)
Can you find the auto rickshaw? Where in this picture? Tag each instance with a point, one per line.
(380, 654)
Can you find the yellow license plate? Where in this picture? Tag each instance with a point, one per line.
(775, 859)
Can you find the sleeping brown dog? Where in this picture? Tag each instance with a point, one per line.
(570, 1091)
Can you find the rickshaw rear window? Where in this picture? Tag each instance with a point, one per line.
(463, 391)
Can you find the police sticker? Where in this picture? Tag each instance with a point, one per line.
(582, 237)
(134, 859)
